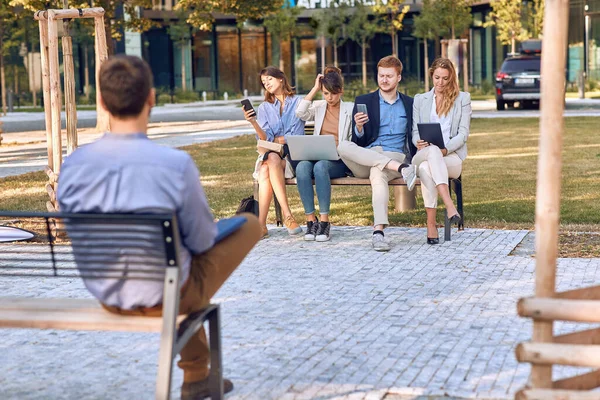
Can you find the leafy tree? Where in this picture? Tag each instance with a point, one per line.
(507, 16)
(201, 16)
(535, 18)
(113, 26)
(282, 25)
(361, 28)
(330, 24)
(427, 27)
(454, 17)
(181, 33)
(392, 17)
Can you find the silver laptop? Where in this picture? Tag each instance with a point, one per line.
(312, 148)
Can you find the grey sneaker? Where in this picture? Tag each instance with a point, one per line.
(410, 176)
(379, 243)
(324, 232)
(311, 230)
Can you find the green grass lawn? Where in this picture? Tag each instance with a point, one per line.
(499, 179)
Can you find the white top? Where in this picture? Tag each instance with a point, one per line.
(445, 121)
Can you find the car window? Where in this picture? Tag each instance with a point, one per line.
(521, 65)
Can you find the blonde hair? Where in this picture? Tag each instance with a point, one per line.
(451, 91)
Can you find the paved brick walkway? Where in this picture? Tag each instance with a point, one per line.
(322, 321)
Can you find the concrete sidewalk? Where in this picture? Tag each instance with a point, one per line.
(26, 151)
(331, 320)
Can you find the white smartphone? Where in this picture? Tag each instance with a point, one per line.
(362, 108)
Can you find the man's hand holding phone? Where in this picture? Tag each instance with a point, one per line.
(361, 117)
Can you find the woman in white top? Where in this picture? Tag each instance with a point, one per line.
(451, 108)
(332, 116)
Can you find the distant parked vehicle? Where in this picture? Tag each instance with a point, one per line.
(519, 77)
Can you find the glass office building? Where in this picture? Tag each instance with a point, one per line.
(229, 58)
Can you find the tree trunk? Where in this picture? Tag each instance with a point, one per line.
(322, 53)
(394, 43)
(110, 46)
(426, 64)
(363, 47)
(3, 79)
(183, 77)
(512, 45)
(16, 78)
(86, 73)
(335, 55)
(281, 57)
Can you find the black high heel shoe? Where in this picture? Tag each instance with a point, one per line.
(455, 219)
(433, 240)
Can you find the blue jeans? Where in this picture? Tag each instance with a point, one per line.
(322, 171)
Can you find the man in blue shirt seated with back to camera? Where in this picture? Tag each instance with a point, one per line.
(125, 172)
(381, 143)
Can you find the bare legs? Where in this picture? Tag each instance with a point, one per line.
(272, 179)
(444, 193)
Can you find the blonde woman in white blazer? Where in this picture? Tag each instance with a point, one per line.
(332, 116)
(451, 108)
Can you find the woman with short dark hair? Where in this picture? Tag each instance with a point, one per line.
(332, 116)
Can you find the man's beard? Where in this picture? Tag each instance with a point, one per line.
(391, 90)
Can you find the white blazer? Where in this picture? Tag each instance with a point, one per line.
(315, 111)
(461, 120)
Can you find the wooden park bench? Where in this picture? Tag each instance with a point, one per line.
(453, 185)
(137, 247)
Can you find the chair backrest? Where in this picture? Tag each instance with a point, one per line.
(91, 246)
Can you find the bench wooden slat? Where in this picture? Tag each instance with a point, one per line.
(70, 314)
(356, 181)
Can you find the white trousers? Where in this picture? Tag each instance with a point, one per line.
(370, 163)
(434, 169)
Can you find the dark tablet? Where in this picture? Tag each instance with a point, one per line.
(432, 133)
(227, 226)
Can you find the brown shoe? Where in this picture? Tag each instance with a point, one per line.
(201, 389)
(265, 232)
(291, 225)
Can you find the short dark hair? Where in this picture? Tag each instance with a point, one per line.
(276, 73)
(332, 80)
(125, 83)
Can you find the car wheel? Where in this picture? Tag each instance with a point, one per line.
(499, 105)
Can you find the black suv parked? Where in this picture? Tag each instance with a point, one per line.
(519, 77)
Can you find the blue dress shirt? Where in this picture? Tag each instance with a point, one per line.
(392, 125)
(131, 174)
(277, 124)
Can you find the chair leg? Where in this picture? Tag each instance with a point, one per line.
(216, 368)
(447, 228)
(278, 212)
(459, 202)
(168, 334)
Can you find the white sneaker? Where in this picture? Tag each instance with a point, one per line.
(379, 243)
(410, 176)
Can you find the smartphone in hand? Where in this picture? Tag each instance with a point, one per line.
(362, 108)
(248, 106)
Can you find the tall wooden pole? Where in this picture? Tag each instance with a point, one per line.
(69, 78)
(465, 66)
(547, 206)
(46, 88)
(55, 90)
(102, 122)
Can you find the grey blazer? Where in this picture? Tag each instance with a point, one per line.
(315, 111)
(461, 120)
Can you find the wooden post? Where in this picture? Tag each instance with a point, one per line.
(547, 210)
(55, 97)
(43, 24)
(102, 122)
(444, 48)
(69, 77)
